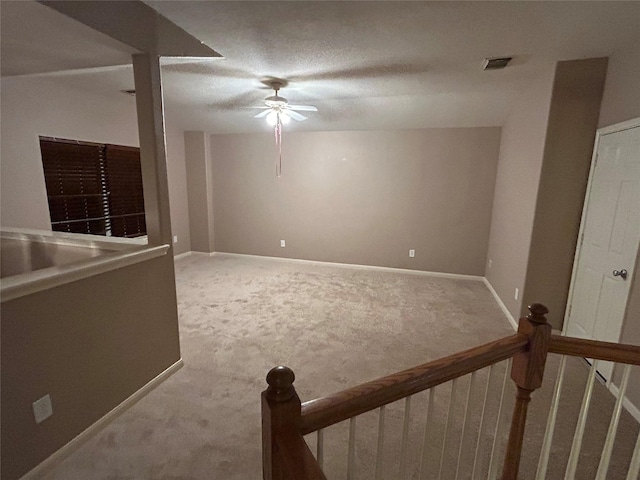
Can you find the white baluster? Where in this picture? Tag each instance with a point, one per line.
(447, 425)
(351, 459)
(634, 466)
(551, 422)
(572, 465)
(425, 443)
(320, 448)
(493, 464)
(481, 427)
(465, 421)
(380, 444)
(405, 438)
(613, 427)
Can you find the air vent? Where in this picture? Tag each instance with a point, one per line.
(495, 63)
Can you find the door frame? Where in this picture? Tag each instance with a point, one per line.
(618, 127)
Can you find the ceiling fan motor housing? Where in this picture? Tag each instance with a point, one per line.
(275, 101)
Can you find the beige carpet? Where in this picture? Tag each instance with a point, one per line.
(335, 327)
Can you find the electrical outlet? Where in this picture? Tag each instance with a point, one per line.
(516, 294)
(489, 263)
(175, 239)
(282, 244)
(42, 408)
(412, 253)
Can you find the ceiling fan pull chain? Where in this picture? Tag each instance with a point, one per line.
(278, 132)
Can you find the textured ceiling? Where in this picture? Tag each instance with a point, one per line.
(365, 65)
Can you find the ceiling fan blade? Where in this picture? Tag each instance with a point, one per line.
(264, 113)
(261, 108)
(295, 115)
(303, 108)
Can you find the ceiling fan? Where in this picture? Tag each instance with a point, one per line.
(278, 110)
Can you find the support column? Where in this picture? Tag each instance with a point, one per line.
(153, 154)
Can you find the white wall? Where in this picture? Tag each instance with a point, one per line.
(50, 106)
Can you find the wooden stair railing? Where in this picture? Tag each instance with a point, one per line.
(286, 455)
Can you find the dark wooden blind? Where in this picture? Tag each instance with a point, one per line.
(74, 177)
(125, 196)
(93, 188)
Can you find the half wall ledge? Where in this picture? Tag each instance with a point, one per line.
(111, 254)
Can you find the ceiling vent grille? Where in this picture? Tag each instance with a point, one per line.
(495, 63)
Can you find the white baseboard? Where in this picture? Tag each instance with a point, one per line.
(503, 307)
(203, 254)
(626, 403)
(193, 253)
(182, 255)
(83, 437)
(458, 276)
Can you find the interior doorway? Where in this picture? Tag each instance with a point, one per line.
(609, 239)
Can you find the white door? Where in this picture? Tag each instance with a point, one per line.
(610, 239)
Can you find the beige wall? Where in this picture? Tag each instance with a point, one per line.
(50, 106)
(177, 177)
(621, 99)
(200, 191)
(359, 197)
(521, 152)
(56, 107)
(571, 131)
(90, 345)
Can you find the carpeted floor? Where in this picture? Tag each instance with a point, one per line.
(335, 327)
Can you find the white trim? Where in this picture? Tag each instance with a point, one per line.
(504, 308)
(457, 276)
(203, 254)
(576, 257)
(631, 408)
(619, 127)
(93, 429)
(46, 278)
(182, 255)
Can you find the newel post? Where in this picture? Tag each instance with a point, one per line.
(280, 410)
(527, 372)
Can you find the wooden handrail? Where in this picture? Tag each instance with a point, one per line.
(285, 420)
(325, 411)
(578, 347)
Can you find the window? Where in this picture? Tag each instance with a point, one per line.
(93, 188)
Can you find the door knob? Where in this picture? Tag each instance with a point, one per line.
(620, 273)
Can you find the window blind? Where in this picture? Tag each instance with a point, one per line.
(125, 195)
(75, 182)
(93, 188)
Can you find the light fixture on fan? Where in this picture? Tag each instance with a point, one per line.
(274, 117)
(277, 112)
(275, 104)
